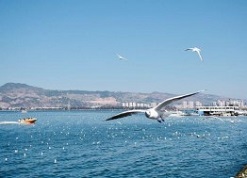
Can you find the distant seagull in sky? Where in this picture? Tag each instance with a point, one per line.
(121, 57)
(195, 49)
(154, 113)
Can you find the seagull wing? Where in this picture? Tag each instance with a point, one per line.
(125, 114)
(121, 57)
(170, 100)
(188, 49)
(198, 52)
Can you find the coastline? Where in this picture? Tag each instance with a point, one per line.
(242, 173)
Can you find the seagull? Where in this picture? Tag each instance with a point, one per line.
(195, 49)
(152, 113)
(121, 57)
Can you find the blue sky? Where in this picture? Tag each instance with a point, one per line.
(62, 44)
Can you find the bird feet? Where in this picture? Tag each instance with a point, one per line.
(160, 120)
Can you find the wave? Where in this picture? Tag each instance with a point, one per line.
(8, 122)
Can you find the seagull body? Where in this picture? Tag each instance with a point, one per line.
(197, 50)
(121, 57)
(154, 113)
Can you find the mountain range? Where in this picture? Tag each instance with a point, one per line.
(17, 95)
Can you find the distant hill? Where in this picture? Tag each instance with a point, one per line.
(24, 96)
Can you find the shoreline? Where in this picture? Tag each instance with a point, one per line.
(242, 173)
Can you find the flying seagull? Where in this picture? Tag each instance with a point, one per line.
(195, 49)
(121, 57)
(154, 113)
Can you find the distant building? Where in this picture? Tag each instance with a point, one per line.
(198, 104)
(191, 104)
(238, 103)
(153, 104)
(185, 104)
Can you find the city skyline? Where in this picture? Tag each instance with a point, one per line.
(15, 96)
(72, 45)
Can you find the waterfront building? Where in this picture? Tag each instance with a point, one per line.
(198, 104)
(191, 105)
(185, 105)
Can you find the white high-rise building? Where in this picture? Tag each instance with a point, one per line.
(185, 104)
(191, 104)
(198, 104)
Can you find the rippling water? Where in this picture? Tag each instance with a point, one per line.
(82, 144)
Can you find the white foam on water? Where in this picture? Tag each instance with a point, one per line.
(8, 122)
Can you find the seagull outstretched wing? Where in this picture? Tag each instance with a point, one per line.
(152, 113)
(121, 57)
(125, 114)
(198, 52)
(170, 100)
(188, 49)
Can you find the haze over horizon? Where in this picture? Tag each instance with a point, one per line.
(70, 45)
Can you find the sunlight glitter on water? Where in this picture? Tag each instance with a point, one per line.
(82, 144)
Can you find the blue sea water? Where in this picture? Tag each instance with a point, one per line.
(83, 144)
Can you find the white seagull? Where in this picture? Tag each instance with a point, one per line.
(195, 49)
(121, 57)
(154, 113)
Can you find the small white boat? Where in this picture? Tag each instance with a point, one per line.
(176, 114)
(23, 111)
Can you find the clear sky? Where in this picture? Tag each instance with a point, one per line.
(72, 44)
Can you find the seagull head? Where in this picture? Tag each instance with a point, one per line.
(152, 114)
(148, 113)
